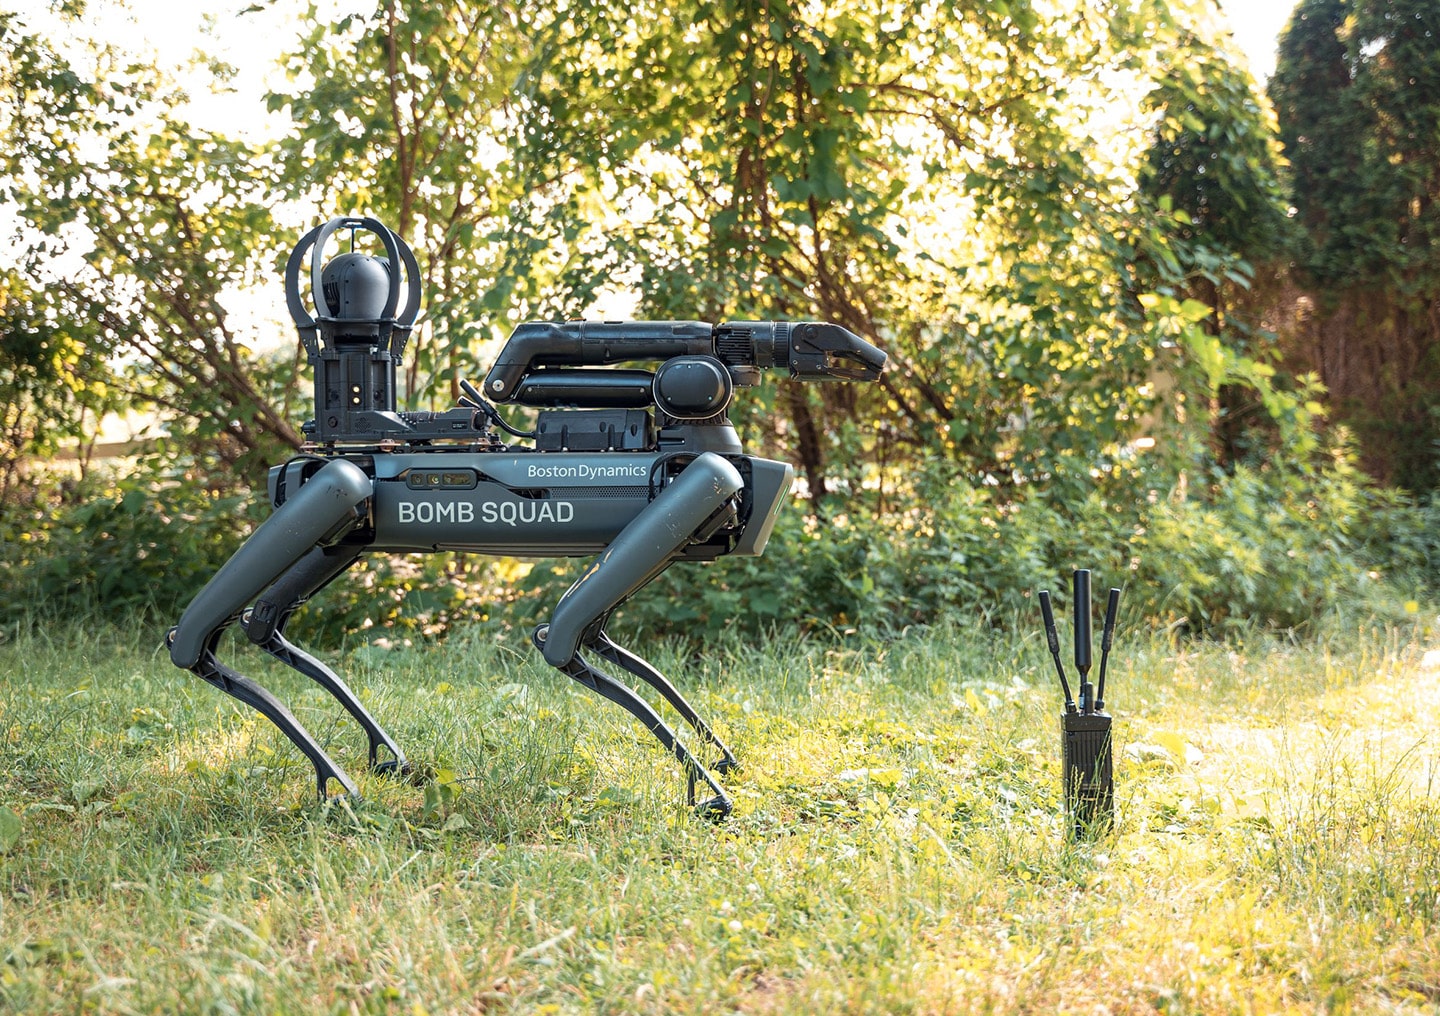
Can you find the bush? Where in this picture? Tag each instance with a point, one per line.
(138, 548)
(1266, 545)
(121, 546)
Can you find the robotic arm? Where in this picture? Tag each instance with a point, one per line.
(811, 350)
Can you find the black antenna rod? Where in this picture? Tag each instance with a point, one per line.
(1081, 605)
(1053, 639)
(1107, 635)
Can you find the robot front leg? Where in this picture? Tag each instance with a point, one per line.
(603, 684)
(698, 499)
(264, 625)
(319, 512)
(606, 649)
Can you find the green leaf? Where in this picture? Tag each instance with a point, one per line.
(1209, 355)
(455, 823)
(431, 805)
(9, 829)
(1193, 311)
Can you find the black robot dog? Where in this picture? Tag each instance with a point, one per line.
(638, 468)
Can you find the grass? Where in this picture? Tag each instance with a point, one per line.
(897, 843)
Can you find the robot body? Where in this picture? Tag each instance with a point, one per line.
(635, 468)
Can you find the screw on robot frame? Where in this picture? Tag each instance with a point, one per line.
(633, 467)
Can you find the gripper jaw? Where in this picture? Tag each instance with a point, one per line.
(680, 514)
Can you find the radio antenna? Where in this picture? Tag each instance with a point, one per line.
(1053, 639)
(1080, 603)
(1107, 636)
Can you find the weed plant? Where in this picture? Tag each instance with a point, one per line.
(897, 844)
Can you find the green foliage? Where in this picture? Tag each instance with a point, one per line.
(141, 547)
(53, 384)
(1213, 162)
(860, 164)
(394, 599)
(1268, 546)
(1285, 548)
(1212, 178)
(940, 179)
(128, 547)
(155, 221)
(402, 114)
(1357, 95)
(1402, 535)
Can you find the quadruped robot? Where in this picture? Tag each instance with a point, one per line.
(637, 468)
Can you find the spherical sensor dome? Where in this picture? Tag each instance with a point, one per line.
(356, 287)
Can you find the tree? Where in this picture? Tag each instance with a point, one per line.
(51, 385)
(151, 223)
(1357, 96)
(927, 175)
(405, 115)
(1212, 173)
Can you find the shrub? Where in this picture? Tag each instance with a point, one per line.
(119, 545)
(1265, 545)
